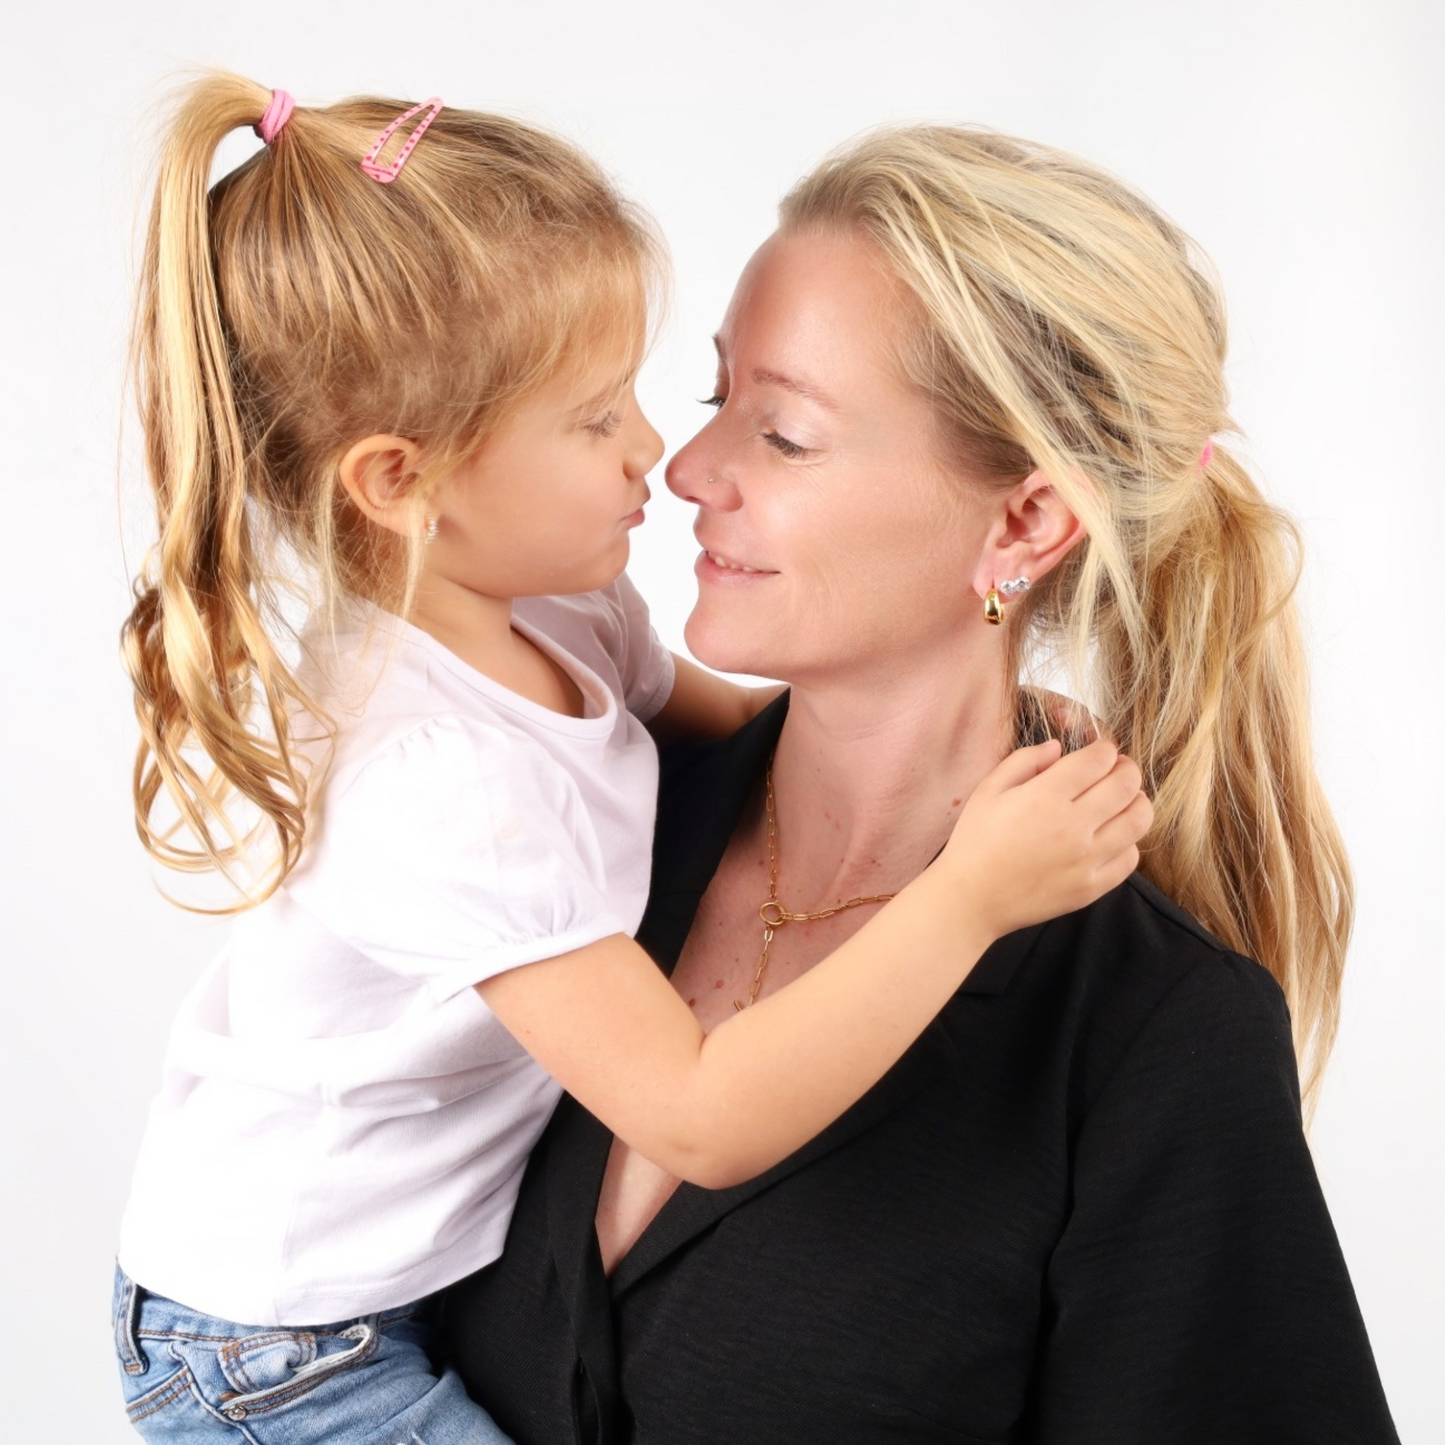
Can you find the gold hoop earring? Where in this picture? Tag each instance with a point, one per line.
(992, 607)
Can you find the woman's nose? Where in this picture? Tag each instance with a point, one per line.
(691, 475)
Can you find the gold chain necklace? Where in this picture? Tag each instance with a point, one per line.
(773, 914)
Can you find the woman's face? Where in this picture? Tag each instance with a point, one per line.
(833, 533)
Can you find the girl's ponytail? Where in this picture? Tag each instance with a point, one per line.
(212, 695)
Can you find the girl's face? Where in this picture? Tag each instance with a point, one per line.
(548, 502)
(833, 534)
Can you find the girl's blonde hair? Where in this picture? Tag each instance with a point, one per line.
(1064, 325)
(285, 313)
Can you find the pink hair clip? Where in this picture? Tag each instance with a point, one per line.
(385, 175)
(1206, 456)
(278, 112)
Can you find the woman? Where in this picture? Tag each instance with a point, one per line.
(1081, 1208)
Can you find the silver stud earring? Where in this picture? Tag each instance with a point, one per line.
(1014, 587)
(711, 480)
(430, 535)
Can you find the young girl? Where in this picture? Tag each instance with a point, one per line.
(400, 343)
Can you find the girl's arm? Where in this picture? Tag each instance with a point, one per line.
(1038, 838)
(704, 705)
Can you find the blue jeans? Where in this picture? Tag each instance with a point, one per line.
(193, 1380)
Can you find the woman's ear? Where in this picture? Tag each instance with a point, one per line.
(379, 474)
(1033, 530)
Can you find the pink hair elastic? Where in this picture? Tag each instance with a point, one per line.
(385, 175)
(278, 112)
(1206, 456)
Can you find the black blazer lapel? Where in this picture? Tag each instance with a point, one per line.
(690, 1211)
(571, 1195)
(687, 848)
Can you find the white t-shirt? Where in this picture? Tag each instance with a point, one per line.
(343, 1122)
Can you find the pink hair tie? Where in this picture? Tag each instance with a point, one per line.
(1206, 456)
(278, 112)
(385, 175)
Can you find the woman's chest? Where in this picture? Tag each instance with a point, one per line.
(900, 1279)
(725, 959)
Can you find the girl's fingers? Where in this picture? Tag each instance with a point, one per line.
(1076, 774)
(1021, 765)
(1120, 834)
(1112, 793)
(1117, 869)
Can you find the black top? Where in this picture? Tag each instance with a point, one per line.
(1079, 1211)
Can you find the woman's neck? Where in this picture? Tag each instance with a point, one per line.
(869, 784)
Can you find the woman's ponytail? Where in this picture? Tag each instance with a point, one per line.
(1215, 708)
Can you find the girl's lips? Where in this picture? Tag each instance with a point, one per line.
(715, 567)
(634, 519)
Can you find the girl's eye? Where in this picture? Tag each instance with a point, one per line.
(606, 426)
(713, 401)
(782, 445)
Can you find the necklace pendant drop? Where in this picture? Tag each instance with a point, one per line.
(771, 911)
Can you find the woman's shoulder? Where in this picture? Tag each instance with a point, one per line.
(1137, 988)
(1138, 941)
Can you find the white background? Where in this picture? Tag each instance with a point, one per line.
(1300, 143)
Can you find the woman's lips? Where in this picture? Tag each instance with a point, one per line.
(719, 567)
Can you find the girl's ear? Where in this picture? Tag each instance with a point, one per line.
(379, 474)
(1033, 530)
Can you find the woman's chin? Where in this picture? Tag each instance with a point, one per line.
(718, 646)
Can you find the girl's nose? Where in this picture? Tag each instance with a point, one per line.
(646, 447)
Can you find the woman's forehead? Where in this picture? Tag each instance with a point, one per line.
(814, 312)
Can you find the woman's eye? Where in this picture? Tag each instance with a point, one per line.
(782, 445)
(606, 426)
(776, 440)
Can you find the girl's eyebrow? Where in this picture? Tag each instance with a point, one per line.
(607, 394)
(764, 376)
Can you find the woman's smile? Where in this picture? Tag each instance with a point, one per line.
(719, 567)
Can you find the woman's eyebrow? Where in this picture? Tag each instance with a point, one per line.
(764, 376)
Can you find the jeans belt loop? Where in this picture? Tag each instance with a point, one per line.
(127, 1323)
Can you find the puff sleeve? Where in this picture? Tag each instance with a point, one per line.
(456, 852)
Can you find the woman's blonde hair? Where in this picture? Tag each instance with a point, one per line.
(285, 313)
(1064, 325)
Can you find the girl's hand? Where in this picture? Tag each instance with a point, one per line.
(1044, 835)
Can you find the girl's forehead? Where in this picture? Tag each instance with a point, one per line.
(596, 369)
